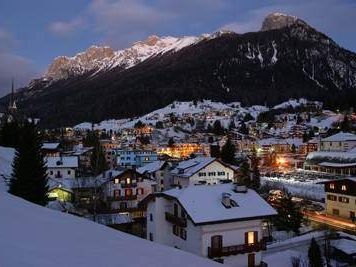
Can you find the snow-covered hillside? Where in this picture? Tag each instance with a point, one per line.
(34, 236)
(6, 157)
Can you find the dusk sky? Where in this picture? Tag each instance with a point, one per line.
(32, 33)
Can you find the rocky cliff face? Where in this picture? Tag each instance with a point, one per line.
(279, 20)
(104, 58)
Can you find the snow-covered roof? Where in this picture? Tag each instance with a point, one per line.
(189, 167)
(275, 141)
(337, 165)
(332, 155)
(339, 137)
(151, 167)
(203, 203)
(62, 162)
(50, 146)
(345, 245)
(31, 235)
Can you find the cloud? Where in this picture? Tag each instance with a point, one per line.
(13, 66)
(63, 29)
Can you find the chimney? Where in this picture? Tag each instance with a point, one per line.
(225, 200)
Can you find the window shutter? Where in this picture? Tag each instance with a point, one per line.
(255, 237)
(246, 238)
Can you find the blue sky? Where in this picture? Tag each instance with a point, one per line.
(32, 33)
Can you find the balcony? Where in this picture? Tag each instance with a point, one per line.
(182, 222)
(237, 249)
(121, 198)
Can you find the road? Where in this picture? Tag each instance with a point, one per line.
(331, 221)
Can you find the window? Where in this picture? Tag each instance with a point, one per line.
(69, 172)
(336, 212)
(128, 192)
(161, 181)
(216, 242)
(331, 197)
(332, 186)
(151, 217)
(128, 180)
(251, 237)
(116, 181)
(182, 213)
(344, 199)
(175, 230)
(139, 191)
(116, 193)
(343, 187)
(51, 172)
(151, 237)
(183, 234)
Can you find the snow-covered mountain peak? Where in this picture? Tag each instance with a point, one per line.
(99, 58)
(279, 20)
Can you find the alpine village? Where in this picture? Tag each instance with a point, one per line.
(224, 148)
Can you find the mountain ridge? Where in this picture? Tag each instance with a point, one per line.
(271, 66)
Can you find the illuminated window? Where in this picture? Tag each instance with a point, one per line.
(343, 187)
(128, 180)
(332, 186)
(250, 237)
(116, 181)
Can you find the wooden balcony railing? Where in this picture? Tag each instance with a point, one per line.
(236, 249)
(179, 221)
(121, 198)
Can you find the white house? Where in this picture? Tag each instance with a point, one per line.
(224, 222)
(339, 142)
(201, 170)
(62, 167)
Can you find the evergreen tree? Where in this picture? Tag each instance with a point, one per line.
(217, 128)
(97, 160)
(305, 137)
(228, 152)
(29, 178)
(232, 125)
(10, 134)
(345, 125)
(293, 149)
(243, 128)
(244, 174)
(289, 216)
(256, 178)
(171, 142)
(314, 254)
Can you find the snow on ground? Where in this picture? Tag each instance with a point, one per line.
(178, 109)
(34, 236)
(325, 121)
(304, 188)
(282, 258)
(7, 155)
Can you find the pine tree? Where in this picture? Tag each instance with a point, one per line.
(171, 142)
(244, 174)
(314, 255)
(97, 161)
(256, 177)
(243, 128)
(228, 152)
(217, 128)
(289, 215)
(9, 134)
(29, 178)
